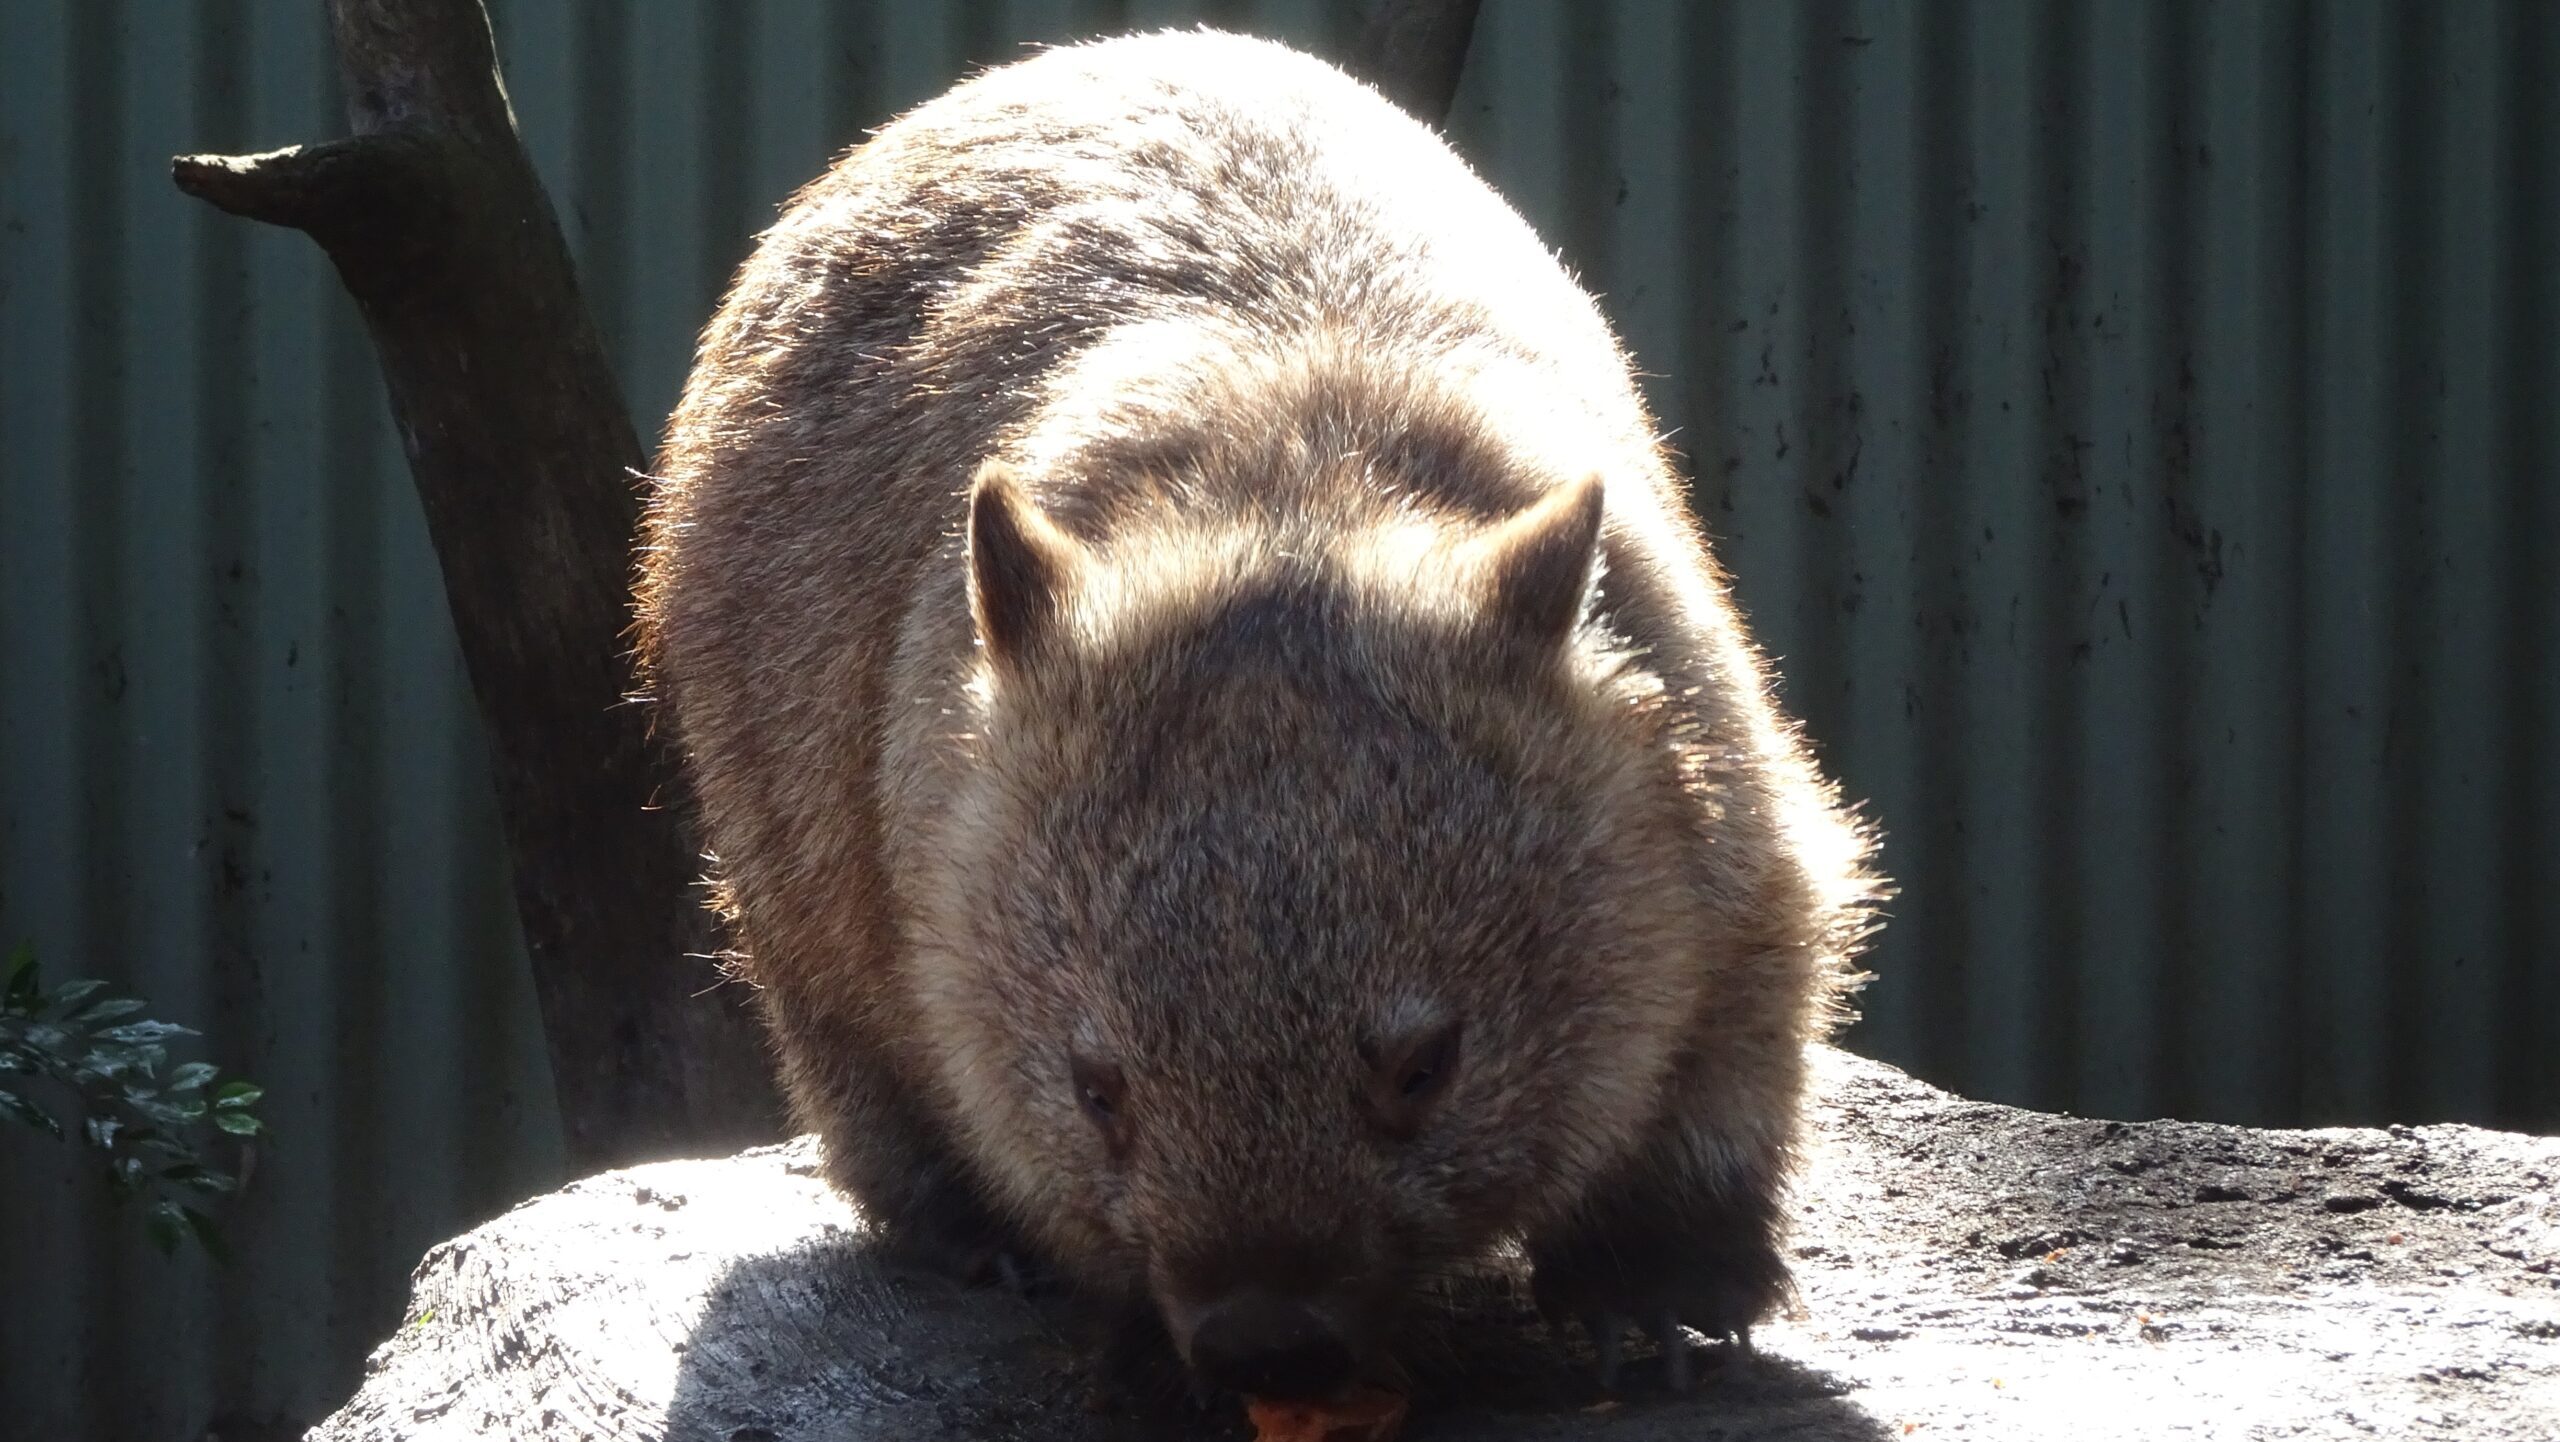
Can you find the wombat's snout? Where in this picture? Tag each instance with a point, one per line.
(1265, 1344)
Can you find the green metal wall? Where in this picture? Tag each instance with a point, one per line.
(2133, 423)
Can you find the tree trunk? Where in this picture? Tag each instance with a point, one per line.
(1414, 49)
(1965, 1270)
(525, 458)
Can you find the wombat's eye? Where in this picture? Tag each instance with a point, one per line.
(1409, 1073)
(1101, 1091)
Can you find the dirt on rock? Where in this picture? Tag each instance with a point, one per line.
(1965, 1271)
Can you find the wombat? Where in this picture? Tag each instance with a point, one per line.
(1226, 756)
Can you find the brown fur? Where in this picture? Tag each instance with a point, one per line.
(1293, 732)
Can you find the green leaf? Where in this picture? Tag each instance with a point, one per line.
(167, 1223)
(67, 997)
(114, 1061)
(126, 1064)
(20, 990)
(28, 1112)
(159, 1148)
(207, 1235)
(199, 1178)
(85, 1035)
(144, 1033)
(57, 1040)
(111, 1009)
(192, 1075)
(175, 1115)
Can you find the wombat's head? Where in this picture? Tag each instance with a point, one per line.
(1313, 911)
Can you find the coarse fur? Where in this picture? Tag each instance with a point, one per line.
(1173, 603)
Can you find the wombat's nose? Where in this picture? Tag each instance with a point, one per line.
(1269, 1346)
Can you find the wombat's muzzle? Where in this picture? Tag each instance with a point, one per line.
(1266, 1344)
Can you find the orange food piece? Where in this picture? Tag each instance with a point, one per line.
(1366, 1414)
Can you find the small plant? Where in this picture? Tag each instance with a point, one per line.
(88, 1042)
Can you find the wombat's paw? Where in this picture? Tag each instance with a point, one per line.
(971, 1260)
(1665, 1286)
(954, 1237)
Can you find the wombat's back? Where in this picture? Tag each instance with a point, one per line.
(918, 300)
(1054, 255)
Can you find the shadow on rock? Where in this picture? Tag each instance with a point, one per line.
(1490, 1369)
(827, 1341)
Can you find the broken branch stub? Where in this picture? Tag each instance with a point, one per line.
(524, 458)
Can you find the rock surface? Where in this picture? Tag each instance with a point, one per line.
(1967, 1271)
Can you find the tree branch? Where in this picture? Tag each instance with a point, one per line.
(383, 178)
(523, 455)
(1414, 50)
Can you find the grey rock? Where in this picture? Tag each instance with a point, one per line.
(1965, 1271)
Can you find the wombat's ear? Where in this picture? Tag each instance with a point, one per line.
(1539, 562)
(1021, 565)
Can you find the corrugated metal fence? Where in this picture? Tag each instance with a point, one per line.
(2135, 425)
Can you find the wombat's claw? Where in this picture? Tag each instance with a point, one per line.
(1608, 1331)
